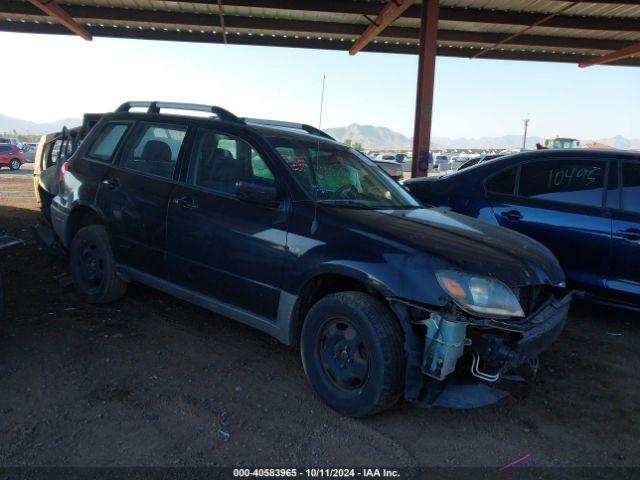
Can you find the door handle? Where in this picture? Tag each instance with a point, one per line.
(512, 214)
(112, 183)
(186, 203)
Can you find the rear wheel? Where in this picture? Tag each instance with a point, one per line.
(14, 164)
(93, 267)
(352, 352)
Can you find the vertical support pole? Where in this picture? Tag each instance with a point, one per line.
(426, 80)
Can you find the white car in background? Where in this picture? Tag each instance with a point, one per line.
(441, 163)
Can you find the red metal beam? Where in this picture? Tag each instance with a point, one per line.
(389, 14)
(55, 11)
(626, 52)
(426, 81)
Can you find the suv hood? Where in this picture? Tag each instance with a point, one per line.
(461, 242)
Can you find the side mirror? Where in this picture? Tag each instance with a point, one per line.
(257, 190)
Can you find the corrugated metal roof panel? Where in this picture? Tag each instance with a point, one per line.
(465, 26)
(549, 6)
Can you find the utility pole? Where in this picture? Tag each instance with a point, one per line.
(526, 126)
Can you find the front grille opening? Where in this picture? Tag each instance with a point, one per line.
(533, 297)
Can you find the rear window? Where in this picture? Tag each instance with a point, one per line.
(503, 183)
(572, 181)
(105, 146)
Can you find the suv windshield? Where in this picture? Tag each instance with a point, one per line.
(339, 175)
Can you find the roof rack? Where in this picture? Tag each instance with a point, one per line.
(295, 126)
(154, 107)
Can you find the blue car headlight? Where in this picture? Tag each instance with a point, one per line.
(481, 296)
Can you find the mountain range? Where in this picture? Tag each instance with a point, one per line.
(24, 127)
(369, 136)
(382, 138)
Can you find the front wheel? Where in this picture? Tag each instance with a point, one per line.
(15, 164)
(93, 267)
(352, 352)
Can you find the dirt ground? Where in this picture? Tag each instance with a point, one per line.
(154, 381)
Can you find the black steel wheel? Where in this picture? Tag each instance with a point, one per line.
(91, 264)
(342, 352)
(93, 267)
(352, 352)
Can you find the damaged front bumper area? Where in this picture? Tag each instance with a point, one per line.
(442, 345)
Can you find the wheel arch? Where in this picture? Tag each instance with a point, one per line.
(325, 283)
(81, 216)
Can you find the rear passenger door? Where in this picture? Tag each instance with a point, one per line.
(219, 246)
(133, 195)
(624, 276)
(559, 202)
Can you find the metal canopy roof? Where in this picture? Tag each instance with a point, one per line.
(582, 31)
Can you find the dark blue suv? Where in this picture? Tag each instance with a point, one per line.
(583, 204)
(279, 226)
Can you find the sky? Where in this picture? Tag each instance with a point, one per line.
(58, 77)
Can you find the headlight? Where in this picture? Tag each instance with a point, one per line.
(482, 296)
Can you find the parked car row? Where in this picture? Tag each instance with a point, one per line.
(279, 226)
(583, 204)
(391, 167)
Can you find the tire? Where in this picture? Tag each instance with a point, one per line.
(93, 267)
(15, 164)
(352, 353)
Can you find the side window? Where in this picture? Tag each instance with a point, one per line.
(631, 186)
(5, 149)
(105, 145)
(503, 183)
(218, 161)
(154, 149)
(572, 181)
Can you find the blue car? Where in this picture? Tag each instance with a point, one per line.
(584, 205)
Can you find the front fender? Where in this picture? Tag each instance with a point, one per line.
(408, 276)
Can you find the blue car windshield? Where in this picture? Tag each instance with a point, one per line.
(338, 175)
